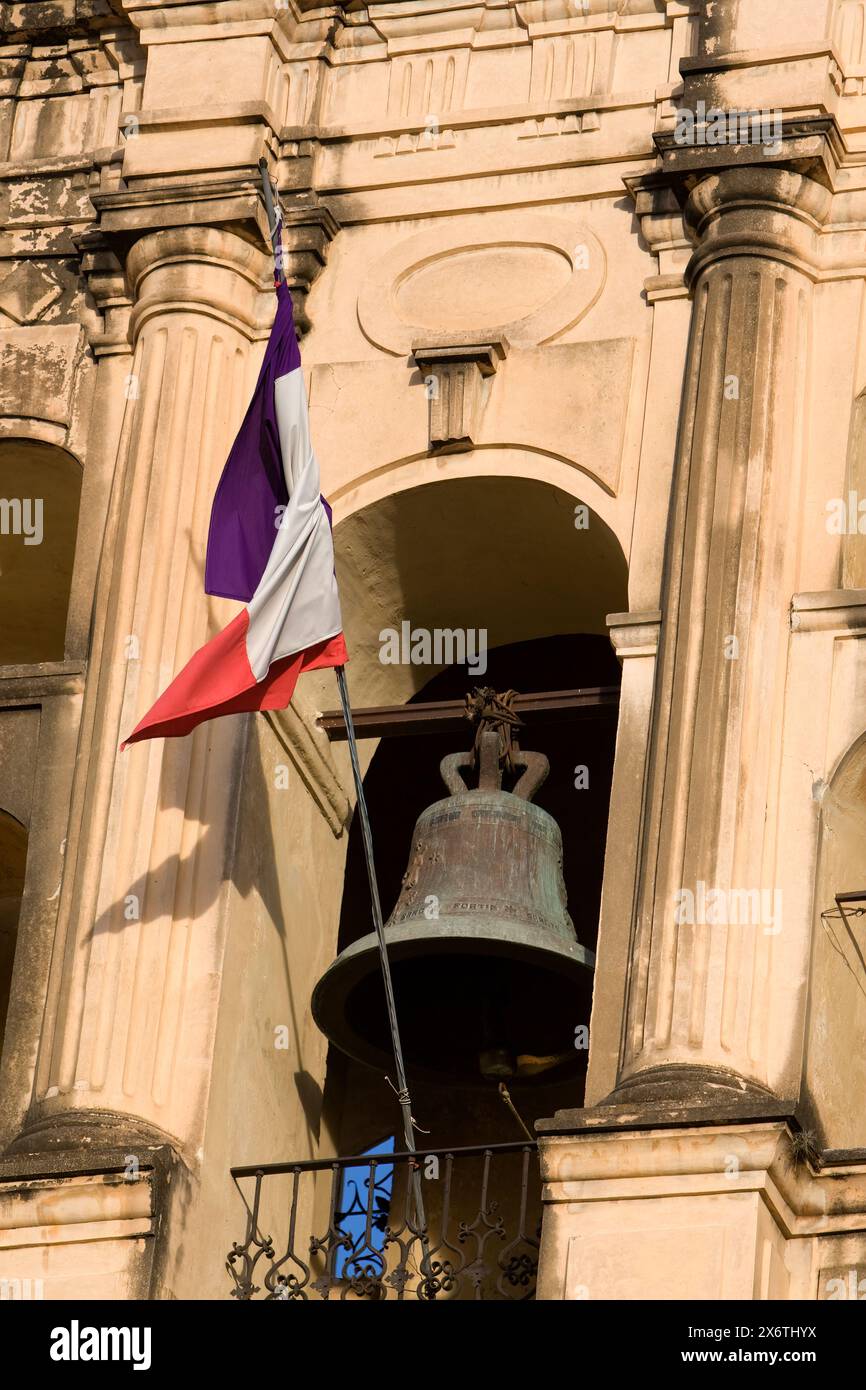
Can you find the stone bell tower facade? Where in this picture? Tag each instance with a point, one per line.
(625, 240)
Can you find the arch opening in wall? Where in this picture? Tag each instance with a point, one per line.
(504, 555)
(40, 489)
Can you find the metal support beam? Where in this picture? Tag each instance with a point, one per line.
(444, 716)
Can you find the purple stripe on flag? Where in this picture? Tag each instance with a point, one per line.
(252, 487)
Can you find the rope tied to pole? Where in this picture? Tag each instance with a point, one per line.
(404, 1098)
(490, 711)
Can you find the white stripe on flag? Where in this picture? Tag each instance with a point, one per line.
(296, 604)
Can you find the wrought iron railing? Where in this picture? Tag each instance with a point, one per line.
(460, 1223)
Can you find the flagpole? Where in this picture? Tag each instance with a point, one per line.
(367, 836)
(273, 225)
(402, 1087)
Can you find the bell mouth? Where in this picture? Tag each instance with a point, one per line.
(463, 988)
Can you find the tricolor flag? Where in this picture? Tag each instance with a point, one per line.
(269, 546)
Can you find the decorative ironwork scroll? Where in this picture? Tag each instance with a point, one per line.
(358, 1239)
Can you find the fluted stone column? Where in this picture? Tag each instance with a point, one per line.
(705, 985)
(130, 1019)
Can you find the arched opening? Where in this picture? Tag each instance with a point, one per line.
(13, 862)
(40, 487)
(515, 556)
(502, 555)
(835, 1070)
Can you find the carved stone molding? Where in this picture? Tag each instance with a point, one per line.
(634, 634)
(663, 230)
(756, 211)
(831, 610)
(308, 230)
(104, 275)
(454, 376)
(195, 218)
(573, 12)
(206, 269)
(548, 273)
(234, 203)
(811, 146)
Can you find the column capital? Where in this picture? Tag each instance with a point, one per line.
(756, 210)
(219, 223)
(730, 197)
(208, 270)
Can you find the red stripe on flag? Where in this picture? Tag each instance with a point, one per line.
(218, 680)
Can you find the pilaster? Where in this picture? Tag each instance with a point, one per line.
(705, 982)
(135, 978)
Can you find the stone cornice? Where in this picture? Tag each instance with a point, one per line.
(398, 25)
(157, 14)
(548, 16)
(755, 58)
(103, 56)
(62, 19)
(832, 610)
(635, 634)
(812, 146)
(808, 1196)
(476, 118)
(128, 213)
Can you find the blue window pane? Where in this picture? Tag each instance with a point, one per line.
(355, 1207)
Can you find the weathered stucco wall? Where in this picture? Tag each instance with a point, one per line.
(514, 273)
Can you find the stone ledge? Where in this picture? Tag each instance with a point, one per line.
(666, 1115)
(842, 610)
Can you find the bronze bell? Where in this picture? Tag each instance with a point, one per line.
(490, 980)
